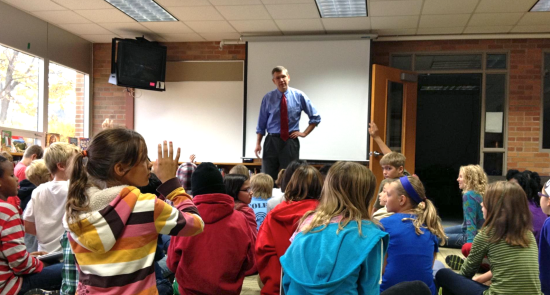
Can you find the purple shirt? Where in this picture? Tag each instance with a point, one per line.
(538, 218)
(544, 257)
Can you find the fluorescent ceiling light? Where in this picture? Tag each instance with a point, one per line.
(542, 5)
(143, 10)
(342, 8)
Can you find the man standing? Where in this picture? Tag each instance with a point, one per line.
(280, 116)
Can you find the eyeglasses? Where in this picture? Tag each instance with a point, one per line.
(246, 190)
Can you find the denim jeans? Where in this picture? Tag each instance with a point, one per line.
(456, 237)
(409, 288)
(48, 279)
(456, 284)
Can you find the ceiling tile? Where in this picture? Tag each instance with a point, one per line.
(394, 22)
(245, 12)
(449, 6)
(392, 8)
(220, 36)
(487, 30)
(535, 18)
(111, 15)
(35, 5)
(300, 25)
(167, 27)
(252, 26)
(61, 17)
(99, 38)
(494, 19)
(175, 3)
(210, 26)
(190, 37)
(293, 11)
(88, 4)
(126, 28)
(505, 5)
(440, 31)
(346, 24)
(196, 13)
(448, 20)
(85, 29)
(236, 2)
(395, 32)
(287, 1)
(531, 29)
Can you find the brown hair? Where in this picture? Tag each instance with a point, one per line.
(347, 192)
(262, 185)
(279, 69)
(280, 176)
(426, 214)
(240, 169)
(508, 215)
(108, 148)
(34, 150)
(7, 155)
(306, 183)
(394, 159)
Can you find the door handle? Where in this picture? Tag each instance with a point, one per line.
(375, 153)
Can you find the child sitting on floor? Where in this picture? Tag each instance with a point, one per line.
(507, 241)
(544, 241)
(414, 230)
(261, 186)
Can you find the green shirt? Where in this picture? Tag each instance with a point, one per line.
(515, 269)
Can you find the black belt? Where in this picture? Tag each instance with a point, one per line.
(279, 134)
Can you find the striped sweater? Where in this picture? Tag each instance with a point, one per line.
(515, 269)
(15, 261)
(114, 244)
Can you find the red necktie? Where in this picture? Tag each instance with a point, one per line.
(284, 119)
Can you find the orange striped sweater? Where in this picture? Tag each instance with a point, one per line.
(115, 243)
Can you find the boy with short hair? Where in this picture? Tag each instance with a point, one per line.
(32, 153)
(44, 213)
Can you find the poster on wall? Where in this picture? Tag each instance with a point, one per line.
(51, 138)
(73, 140)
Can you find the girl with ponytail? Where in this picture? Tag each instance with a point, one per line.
(414, 230)
(113, 227)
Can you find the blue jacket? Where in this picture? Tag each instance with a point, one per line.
(328, 263)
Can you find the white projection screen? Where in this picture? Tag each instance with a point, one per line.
(334, 75)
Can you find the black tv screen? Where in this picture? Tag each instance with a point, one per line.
(140, 64)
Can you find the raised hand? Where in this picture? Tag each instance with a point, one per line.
(166, 165)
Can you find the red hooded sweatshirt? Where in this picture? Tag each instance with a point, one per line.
(215, 261)
(273, 240)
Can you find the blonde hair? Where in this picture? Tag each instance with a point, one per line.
(7, 155)
(59, 152)
(347, 192)
(280, 176)
(262, 185)
(475, 179)
(37, 172)
(394, 159)
(426, 214)
(240, 169)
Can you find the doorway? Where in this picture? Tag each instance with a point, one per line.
(448, 128)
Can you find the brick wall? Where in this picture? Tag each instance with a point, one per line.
(110, 101)
(526, 60)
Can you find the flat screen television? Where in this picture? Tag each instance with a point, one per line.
(138, 64)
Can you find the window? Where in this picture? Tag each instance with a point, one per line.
(19, 89)
(546, 103)
(66, 102)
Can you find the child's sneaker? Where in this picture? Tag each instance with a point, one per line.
(454, 262)
(41, 292)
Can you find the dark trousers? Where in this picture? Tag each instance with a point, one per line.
(456, 284)
(48, 279)
(408, 288)
(278, 154)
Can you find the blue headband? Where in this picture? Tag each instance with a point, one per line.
(410, 189)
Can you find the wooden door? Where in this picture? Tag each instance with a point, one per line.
(393, 109)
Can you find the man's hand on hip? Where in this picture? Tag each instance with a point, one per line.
(297, 134)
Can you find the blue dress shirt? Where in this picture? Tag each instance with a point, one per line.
(270, 111)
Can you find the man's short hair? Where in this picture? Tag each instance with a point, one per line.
(34, 150)
(394, 159)
(279, 69)
(37, 173)
(59, 152)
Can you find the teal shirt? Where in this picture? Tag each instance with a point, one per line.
(473, 216)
